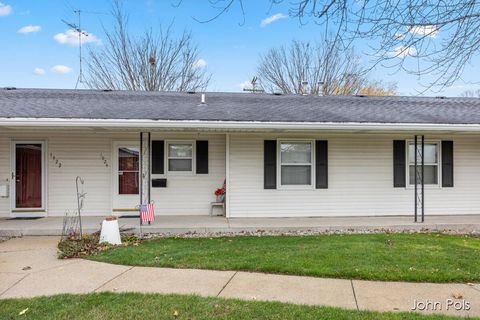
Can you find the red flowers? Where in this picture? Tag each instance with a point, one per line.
(219, 192)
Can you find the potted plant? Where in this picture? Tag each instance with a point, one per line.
(220, 194)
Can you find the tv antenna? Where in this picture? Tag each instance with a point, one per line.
(78, 29)
(254, 86)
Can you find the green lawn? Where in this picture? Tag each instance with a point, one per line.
(395, 257)
(154, 306)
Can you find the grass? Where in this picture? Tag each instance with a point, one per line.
(154, 306)
(393, 257)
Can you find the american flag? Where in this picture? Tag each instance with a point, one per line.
(147, 213)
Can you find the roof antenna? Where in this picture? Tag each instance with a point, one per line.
(78, 29)
(254, 86)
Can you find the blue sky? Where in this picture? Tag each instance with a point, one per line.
(35, 49)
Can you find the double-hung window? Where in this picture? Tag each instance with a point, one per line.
(180, 157)
(296, 163)
(431, 163)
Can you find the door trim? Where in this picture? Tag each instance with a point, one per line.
(27, 212)
(132, 199)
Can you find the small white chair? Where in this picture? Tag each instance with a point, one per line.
(217, 204)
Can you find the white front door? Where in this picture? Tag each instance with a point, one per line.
(126, 177)
(28, 179)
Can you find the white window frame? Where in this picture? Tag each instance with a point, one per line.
(310, 186)
(167, 157)
(438, 164)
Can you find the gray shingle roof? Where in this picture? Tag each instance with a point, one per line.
(91, 104)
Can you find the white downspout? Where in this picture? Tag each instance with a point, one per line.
(227, 175)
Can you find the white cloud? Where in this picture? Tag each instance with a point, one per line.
(265, 22)
(39, 71)
(247, 84)
(429, 30)
(200, 63)
(71, 37)
(61, 69)
(402, 51)
(5, 9)
(29, 29)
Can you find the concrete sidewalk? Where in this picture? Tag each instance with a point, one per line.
(29, 267)
(52, 226)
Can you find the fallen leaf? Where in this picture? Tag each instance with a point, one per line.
(23, 312)
(27, 268)
(175, 313)
(457, 295)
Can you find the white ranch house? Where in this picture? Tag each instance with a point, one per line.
(279, 155)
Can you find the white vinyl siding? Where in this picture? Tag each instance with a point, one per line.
(360, 175)
(360, 179)
(90, 154)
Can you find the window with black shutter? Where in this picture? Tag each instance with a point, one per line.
(321, 164)
(447, 164)
(202, 157)
(270, 164)
(399, 164)
(158, 157)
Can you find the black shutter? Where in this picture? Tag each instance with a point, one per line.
(270, 164)
(202, 157)
(399, 164)
(447, 164)
(321, 164)
(158, 155)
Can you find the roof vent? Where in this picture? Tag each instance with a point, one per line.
(440, 97)
(9, 88)
(304, 88)
(277, 93)
(191, 92)
(107, 90)
(360, 95)
(320, 84)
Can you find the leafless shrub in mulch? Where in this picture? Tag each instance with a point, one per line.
(75, 246)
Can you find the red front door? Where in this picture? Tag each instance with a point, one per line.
(28, 175)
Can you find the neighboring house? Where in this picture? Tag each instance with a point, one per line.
(280, 155)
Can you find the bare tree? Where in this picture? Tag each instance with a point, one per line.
(442, 35)
(378, 88)
(321, 68)
(471, 94)
(149, 62)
